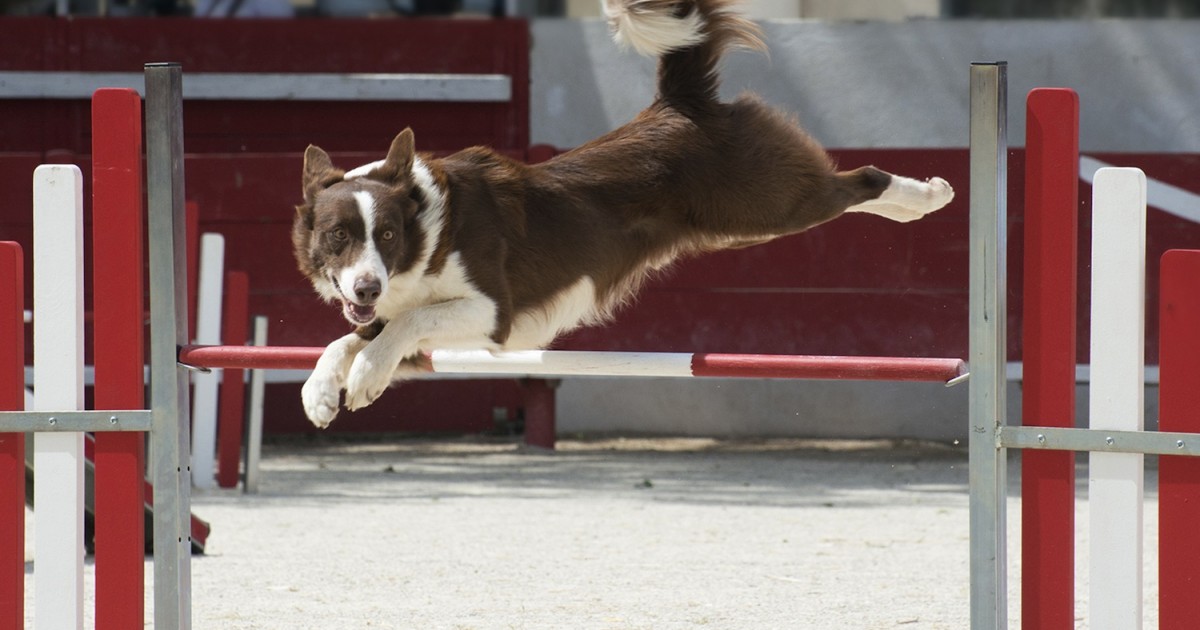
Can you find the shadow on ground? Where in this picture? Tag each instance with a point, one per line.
(783, 473)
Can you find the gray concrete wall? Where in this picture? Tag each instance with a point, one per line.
(762, 408)
(861, 85)
(876, 84)
(779, 408)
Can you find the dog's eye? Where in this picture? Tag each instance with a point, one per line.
(340, 234)
(387, 235)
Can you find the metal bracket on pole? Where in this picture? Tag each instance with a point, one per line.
(77, 421)
(168, 323)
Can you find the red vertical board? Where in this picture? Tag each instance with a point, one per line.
(1048, 353)
(12, 445)
(538, 398)
(231, 413)
(192, 236)
(117, 269)
(1179, 477)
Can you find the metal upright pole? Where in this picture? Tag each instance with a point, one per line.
(988, 479)
(168, 323)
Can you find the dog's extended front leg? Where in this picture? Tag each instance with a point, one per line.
(455, 322)
(323, 388)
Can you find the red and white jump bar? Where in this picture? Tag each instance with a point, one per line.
(553, 363)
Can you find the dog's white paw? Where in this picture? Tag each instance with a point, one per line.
(369, 377)
(320, 395)
(907, 199)
(940, 193)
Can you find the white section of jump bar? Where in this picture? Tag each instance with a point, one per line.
(208, 330)
(58, 380)
(1117, 351)
(557, 363)
(495, 88)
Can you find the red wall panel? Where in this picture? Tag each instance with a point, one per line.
(338, 46)
(860, 285)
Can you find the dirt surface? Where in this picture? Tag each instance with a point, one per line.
(621, 534)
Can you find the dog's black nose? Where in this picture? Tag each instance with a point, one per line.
(367, 290)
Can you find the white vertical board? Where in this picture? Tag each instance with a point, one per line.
(1117, 351)
(208, 332)
(58, 383)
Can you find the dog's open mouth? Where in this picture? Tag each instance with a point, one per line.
(360, 314)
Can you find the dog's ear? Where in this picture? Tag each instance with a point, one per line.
(304, 217)
(398, 163)
(319, 173)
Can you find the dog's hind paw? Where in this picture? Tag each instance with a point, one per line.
(940, 193)
(907, 199)
(320, 398)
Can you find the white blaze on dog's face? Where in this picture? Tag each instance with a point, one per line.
(357, 230)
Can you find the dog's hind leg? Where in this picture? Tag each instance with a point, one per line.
(905, 199)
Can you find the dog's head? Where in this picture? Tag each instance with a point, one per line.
(358, 230)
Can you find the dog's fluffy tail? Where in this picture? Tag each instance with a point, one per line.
(688, 37)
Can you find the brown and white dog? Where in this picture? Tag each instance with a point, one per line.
(479, 251)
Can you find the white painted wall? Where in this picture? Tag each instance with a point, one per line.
(879, 84)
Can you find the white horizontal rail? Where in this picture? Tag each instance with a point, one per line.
(74, 421)
(1182, 203)
(239, 86)
(1015, 372)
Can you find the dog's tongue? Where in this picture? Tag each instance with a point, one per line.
(359, 313)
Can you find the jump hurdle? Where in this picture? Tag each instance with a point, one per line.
(58, 573)
(166, 417)
(1115, 439)
(557, 363)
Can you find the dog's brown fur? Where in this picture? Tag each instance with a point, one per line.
(689, 174)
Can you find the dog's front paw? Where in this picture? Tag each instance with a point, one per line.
(367, 380)
(320, 397)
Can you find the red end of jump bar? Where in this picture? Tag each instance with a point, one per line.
(12, 445)
(251, 357)
(833, 368)
(1179, 477)
(1048, 382)
(119, 333)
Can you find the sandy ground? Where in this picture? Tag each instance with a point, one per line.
(621, 534)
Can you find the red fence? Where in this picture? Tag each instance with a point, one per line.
(845, 288)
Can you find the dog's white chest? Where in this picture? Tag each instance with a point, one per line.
(568, 309)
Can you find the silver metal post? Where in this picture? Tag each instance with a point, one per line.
(988, 475)
(168, 324)
(255, 416)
